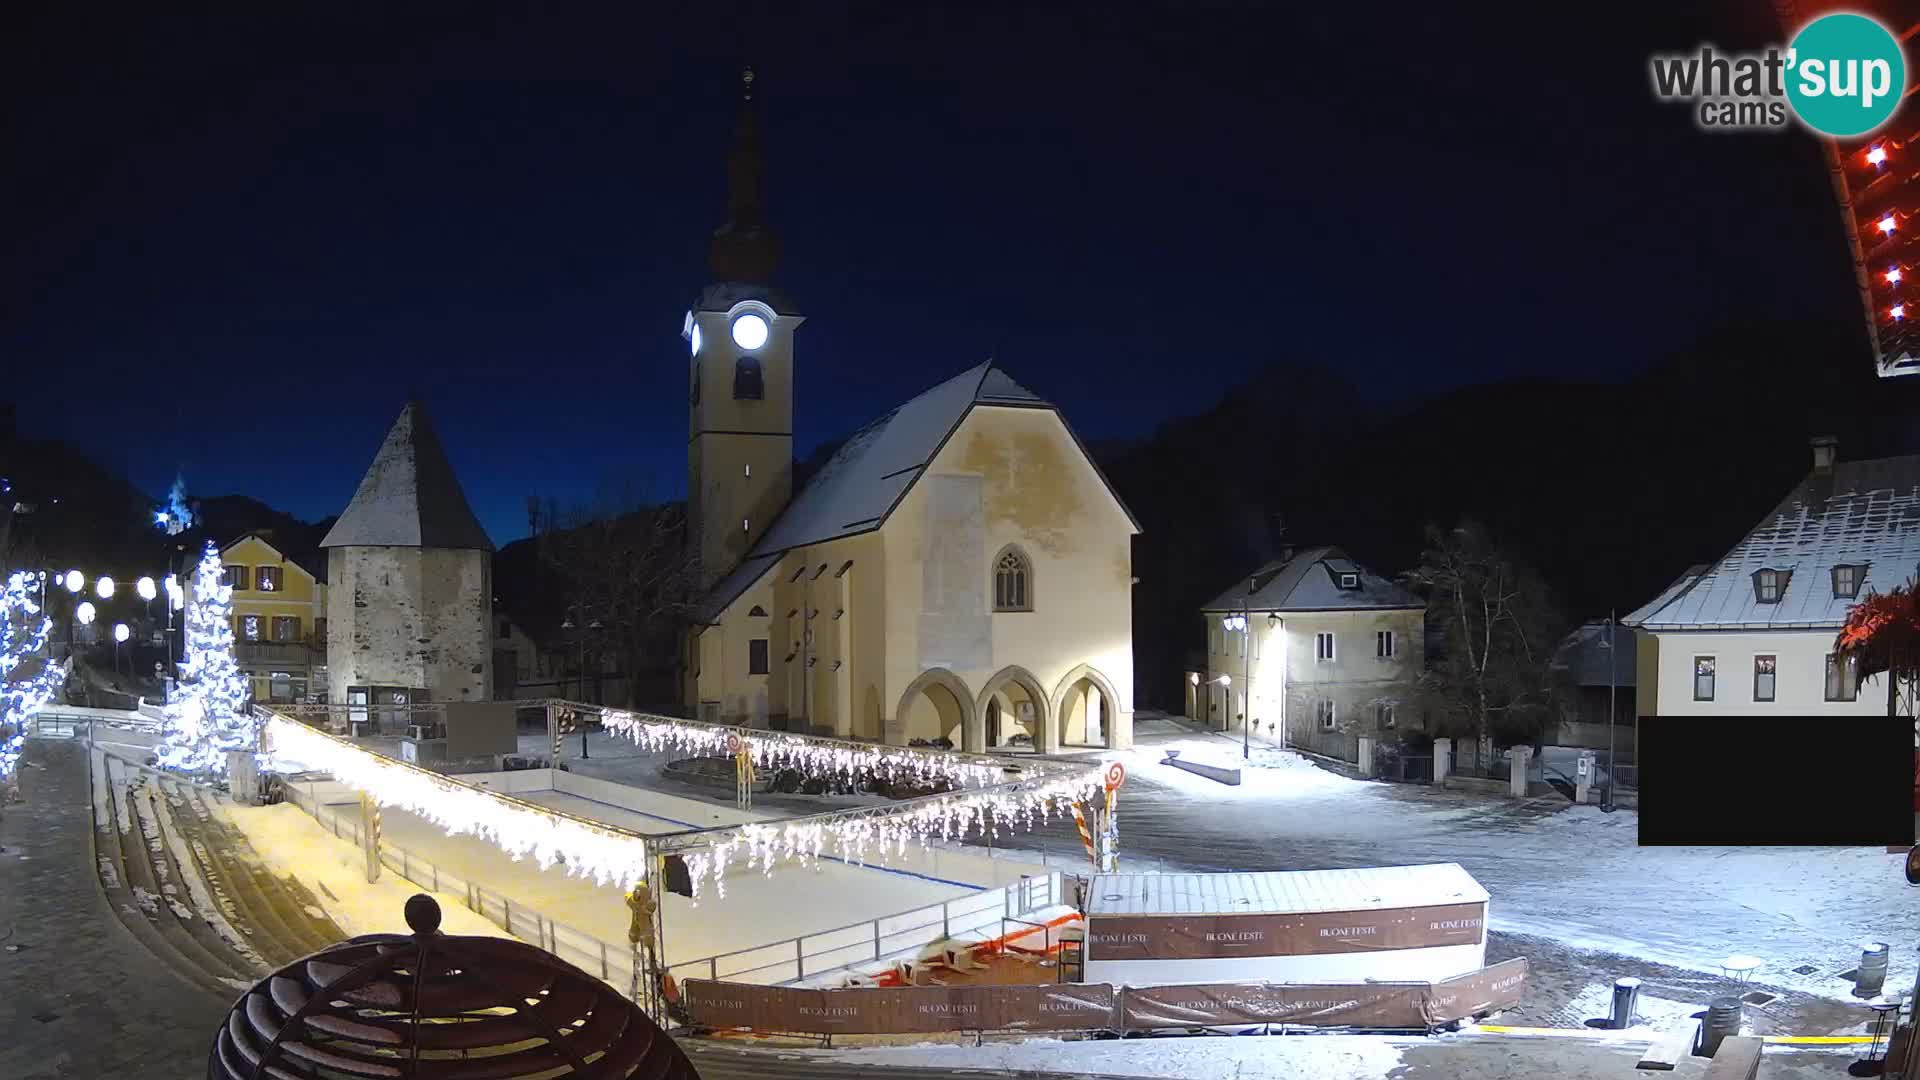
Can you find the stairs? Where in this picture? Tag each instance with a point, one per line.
(188, 887)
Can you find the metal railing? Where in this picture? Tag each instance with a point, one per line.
(612, 962)
(874, 940)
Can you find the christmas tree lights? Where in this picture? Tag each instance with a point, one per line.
(209, 716)
(28, 677)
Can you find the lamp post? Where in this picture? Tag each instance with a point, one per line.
(1613, 679)
(1246, 673)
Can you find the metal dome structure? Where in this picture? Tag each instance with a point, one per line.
(399, 1006)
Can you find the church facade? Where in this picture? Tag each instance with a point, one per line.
(960, 570)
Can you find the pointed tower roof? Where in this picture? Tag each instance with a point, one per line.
(745, 249)
(409, 497)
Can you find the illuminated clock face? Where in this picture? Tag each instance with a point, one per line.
(695, 337)
(749, 331)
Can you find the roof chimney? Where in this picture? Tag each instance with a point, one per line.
(1826, 448)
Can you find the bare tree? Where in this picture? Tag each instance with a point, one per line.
(627, 577)
(1493, 672)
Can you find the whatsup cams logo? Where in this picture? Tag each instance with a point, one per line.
(1842, 75)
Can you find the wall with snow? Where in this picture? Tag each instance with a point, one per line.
(1386, 965)
(413, 617)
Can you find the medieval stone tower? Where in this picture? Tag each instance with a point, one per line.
(410, 580)
(740, 402)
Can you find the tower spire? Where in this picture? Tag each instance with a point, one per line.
(745, 248)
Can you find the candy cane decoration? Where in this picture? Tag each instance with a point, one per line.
(1086, 835)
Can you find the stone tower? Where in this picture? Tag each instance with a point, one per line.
(410, 578)
(740, 401)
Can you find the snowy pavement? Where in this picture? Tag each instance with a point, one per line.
(1573, 875)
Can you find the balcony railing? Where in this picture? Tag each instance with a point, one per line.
(279, 652)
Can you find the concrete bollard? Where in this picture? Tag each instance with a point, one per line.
(1626, 995)
(1366, 756)
(1873, 970)
(1583, 779)
(1522, 761)
(1442, 760)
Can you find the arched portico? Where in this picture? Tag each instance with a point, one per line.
(936, 705)
(1004, 694)
(1085, 703)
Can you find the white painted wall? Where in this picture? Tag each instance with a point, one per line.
(1392, 965)
(1800, 680)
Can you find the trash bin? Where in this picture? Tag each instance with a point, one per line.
(1872, 976)
(1626, 995)
(1724, 1016)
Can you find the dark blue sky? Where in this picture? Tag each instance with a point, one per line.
(237, 241)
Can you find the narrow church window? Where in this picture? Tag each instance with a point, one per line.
(1012, 581)
(757, 656)
(747, 384)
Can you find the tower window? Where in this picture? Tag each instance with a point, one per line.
(1012, 581)
(747, 384)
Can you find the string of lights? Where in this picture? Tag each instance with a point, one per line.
(28, 676)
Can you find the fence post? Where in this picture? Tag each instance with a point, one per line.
(945, 931)
(876, 939)
(1520, 763)
(1442, 760)
(799, 958)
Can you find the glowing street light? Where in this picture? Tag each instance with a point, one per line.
(145, 588)
(120, 632)
(84, 612)
(104, 588)
(74, 581)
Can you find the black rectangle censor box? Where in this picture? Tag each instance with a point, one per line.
(1776, 781)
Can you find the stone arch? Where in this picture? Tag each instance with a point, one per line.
(1063, 711)
(948, 709)
(1044, 737)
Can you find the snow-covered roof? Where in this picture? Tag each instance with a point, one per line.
(1283, 892)
(1679, 585)
(856, 490)
(1596, 656)
(1858, 513)
(409, 497)
(1309, 581)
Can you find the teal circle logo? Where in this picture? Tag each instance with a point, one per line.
(1846, 74)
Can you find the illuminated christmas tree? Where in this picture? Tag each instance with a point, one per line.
(209, 715)
(28, 676)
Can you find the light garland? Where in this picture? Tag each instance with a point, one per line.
(814, 757)
(606, 855)
(24, 687)
(886, 831)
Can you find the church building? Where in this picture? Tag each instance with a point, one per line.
(959, 570)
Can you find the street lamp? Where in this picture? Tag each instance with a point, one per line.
(1613, 669)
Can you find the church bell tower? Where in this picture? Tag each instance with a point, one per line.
(740, 396)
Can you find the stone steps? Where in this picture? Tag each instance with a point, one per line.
(287, 921)
(118, 880)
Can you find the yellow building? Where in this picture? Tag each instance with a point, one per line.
(960, 570)
(279, 619)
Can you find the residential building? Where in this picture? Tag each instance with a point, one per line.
(959, 570)
(1314, 645)
(1598, 662)
(409, 604)
(279, 618)
(1753, 633)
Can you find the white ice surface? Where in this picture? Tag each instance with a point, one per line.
(1348, 1057)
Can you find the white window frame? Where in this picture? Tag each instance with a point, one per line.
(1712, 676)
(1383, 644)
(1327, 715)
(1323, 647)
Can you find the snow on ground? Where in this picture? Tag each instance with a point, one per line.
(1652, 1016)
(289, 842)
(1350, 1057)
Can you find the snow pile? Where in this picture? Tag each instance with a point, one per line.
(1351, 1057)
(1269, 774)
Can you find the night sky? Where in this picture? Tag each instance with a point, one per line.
(237, 240)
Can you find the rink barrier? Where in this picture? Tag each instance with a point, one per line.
(716, 1006)
(903, 935)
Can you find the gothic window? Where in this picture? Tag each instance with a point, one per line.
(747, 384)
(1012, 581)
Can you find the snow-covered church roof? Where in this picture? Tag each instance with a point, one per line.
(1858, 513)
(409, 497)
(861, 484)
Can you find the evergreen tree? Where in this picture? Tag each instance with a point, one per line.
(209, 715)
(28, 676)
